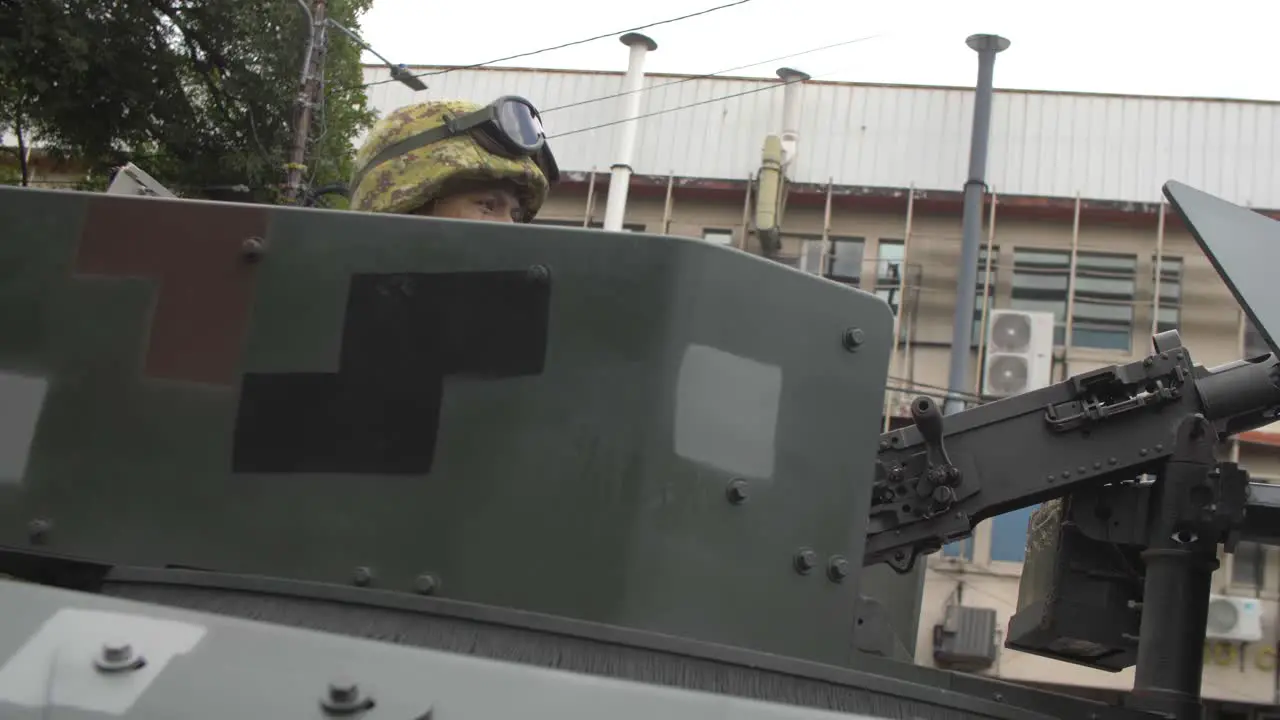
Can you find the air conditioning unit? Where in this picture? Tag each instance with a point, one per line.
(1234, 619)
(1019, 352)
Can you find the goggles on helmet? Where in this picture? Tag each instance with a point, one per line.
(509, 126)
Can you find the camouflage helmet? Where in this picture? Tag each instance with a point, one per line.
(402, 183)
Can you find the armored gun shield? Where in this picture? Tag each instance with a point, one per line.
(644, 431)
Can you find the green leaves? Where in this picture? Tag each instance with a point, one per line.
(201, 93)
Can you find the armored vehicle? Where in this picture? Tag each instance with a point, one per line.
(285, 462)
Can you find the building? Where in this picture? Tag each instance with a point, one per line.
(874, 199)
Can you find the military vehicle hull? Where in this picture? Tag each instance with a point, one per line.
(420, 657)
(640, 459)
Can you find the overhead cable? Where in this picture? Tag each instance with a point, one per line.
(583, 41)
(710, 75)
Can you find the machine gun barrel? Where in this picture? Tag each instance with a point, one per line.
(936, 480)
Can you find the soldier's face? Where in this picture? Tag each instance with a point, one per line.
(496, 205)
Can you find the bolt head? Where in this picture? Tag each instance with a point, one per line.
(343, 691)
(117, 652)
(425, 584)
(805, 561)
(837, 569)
(538, 274)
(38, 530)
(362, 576)
(252, 248)
(853, 338)
(736, 492)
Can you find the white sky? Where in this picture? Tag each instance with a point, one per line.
(1188, 47)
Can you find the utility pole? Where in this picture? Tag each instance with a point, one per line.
(306, 99)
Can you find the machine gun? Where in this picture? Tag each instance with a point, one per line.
(541, 445)
(1083, 444)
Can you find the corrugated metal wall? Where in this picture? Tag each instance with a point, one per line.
(1047, 144)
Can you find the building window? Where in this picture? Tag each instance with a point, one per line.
(1009, 535)
(845, 262)
(1170, 293)
(889, 271)
(1106, 289)
(1040, 285)
(989, 285)
(718, 236)
(959, 549)
(1248, 565)
(810, 260)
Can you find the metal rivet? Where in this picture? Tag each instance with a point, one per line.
(1066, 474)
(362, 576)
(837, 568)
(426, 584)
(1112, 461)
(805, 561)
(38, 530)
(736, 492)
(252, 248)
(538, 273)
(1097, 464)
(343, 698)
(1159, 447)
(1142, 451)
(118, 657)
(1051, 478)
(853, 337)
(1080, 469)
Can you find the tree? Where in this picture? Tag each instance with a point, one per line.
(202, 93)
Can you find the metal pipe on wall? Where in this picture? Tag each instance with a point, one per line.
(741, 243)
(1069, 321)
(591, 199)
(986, 294)
(620, 173)
(894, 360)
(987, 46)
(666, 207)
(1155, 295)
(794, 84)
(826, 229)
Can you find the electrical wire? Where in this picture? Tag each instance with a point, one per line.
(709, 101)
(709, 75)
(568, 44)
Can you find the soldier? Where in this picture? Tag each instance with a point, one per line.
(456, 159)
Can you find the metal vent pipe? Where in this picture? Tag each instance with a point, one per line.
(794, 80)
(620, 173)
(966, 284)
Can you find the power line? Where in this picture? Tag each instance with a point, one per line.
(770, 86)
(709, 101)
(568, 44)
(710, 75)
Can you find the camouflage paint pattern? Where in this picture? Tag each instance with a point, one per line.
(593, 484)
(405, 183)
